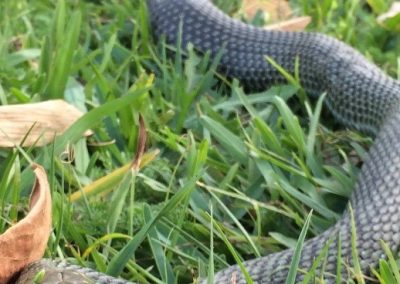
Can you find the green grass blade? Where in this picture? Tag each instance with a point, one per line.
(211, 269)
(294, 264)
(292, 124)
(354, 250)
(163, 264)
(232, 143)
(394, 267)
(118, 262)
(232, 250)
(94, 117)
(118, 200)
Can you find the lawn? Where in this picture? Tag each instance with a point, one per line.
(220, 165)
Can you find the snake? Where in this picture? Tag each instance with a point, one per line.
(360, 96)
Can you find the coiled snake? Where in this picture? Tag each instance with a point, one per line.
(360, 96)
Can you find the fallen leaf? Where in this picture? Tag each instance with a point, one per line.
(276, 9)
(25, 242)
(294, 25)
(391, 19)
(36, 123)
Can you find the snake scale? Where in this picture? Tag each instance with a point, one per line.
(360, 96)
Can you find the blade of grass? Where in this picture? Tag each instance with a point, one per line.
(354, 251)
(232, 250)
(294, 264)
(211, 269)
(163, 265)
(232, 143)
(394, 267)
(119, 261)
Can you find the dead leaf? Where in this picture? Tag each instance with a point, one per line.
(37, 123)
(25, 242)
(294, 25)
(276, 9)
(391, 19)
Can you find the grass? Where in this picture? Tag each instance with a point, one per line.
(239, 171)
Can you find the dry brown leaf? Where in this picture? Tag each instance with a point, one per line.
(294, 25)
(39, 123)
(277, 9)
(25, 242)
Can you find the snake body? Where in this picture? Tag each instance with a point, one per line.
(360, 96)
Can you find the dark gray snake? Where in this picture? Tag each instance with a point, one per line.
(360, 96)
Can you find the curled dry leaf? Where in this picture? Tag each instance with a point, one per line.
(35, 124)
(25, 242)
